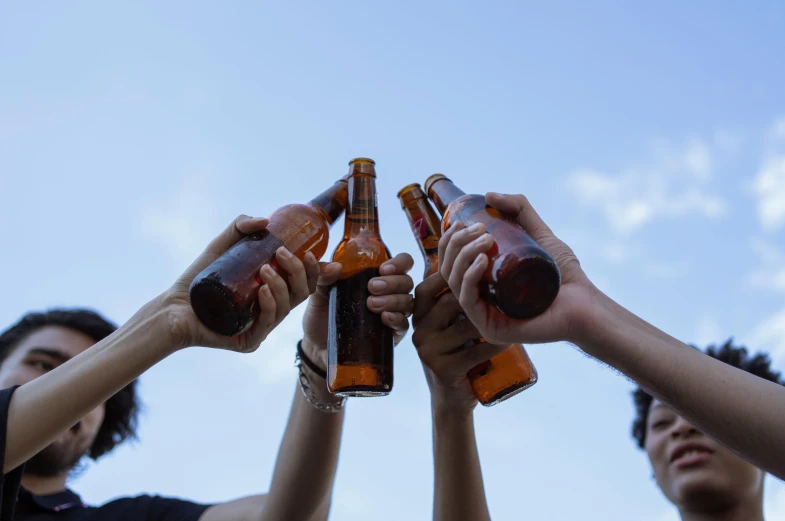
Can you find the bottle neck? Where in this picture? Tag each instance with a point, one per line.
(362, 215)
(442, 193)
(332, 202)
(426, 227)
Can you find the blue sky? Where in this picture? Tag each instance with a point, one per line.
(651, 138)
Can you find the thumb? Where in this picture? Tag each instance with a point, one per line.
(518, 207)
(328, 275)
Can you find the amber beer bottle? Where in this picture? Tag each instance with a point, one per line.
(522, 280)
(507, 373)
(359, 346)
(225, 294)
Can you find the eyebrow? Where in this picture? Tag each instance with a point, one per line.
(52, 353)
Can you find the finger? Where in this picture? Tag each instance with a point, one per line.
(398, 265)
(469, 297)
(279, 289)
(240, 227)
(328, 275)
(442, 314)
(397, 322)
(298, 281)
(447, 237)
(312, 271)
(451, 340)
(390, 285)
(465, 258)
(395, 303)
(456, 244)
(518, 206)
(266, 320)
(478, 353)
(427, 293)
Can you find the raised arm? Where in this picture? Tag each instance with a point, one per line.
(304, 474)
(459, 493)
(742, 411)
(42, 409)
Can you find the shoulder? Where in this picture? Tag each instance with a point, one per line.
(152, 508)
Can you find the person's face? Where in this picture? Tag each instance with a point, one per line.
(38, 353)
(693, 471)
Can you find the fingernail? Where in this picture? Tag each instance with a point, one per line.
(268, 269)
(475, 227)
(286, 253)
(387, 269)
(378, 301)
(310, 256)
(378, 285)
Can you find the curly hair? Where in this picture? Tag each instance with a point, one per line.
(737, 356)
(122, 409)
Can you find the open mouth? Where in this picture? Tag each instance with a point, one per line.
(690, 454)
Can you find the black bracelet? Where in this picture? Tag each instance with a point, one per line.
(312, 366)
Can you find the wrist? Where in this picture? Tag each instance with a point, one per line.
(158, 319)
(313, 353)
(450, 412)
(588, 320)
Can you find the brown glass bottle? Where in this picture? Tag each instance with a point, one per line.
(507, 373)
(225, 294)
(522, 280)
(359, 346)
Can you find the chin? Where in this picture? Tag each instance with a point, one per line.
(703, 490)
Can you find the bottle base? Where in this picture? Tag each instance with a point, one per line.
(361, 392)
(506, 394)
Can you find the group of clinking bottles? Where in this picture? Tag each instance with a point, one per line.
(521, 281)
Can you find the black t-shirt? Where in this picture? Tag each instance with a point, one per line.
(18, 504)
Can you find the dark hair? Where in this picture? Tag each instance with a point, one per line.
(737, 356)
(122, 409)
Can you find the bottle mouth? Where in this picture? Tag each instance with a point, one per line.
(432, 180)
(366, 160)
(362, 165)
(409, 188)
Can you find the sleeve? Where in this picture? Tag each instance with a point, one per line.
(173, 509)
(9, 483)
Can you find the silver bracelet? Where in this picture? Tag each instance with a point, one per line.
(310, 395)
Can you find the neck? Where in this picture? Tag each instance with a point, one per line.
(332, 202)
(361, 212)
(751, 511)
(442, 192)
(44, 485)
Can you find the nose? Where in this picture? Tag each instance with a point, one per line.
(682, 428)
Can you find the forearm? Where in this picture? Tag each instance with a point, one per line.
(738, 409)
(44, 408)
(304, 472)
(458, 488)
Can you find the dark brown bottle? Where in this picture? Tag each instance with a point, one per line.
(225, 294)
(359, 346)
(507, 373)
(522, 280)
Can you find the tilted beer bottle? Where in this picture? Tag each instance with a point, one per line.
(359, 345)
(522, 280)
(507, 373)
(225, 294)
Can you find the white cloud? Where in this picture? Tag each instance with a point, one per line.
(182, 223)
(674, 185)
(769, 335)
(708, 331)
(769, 183)
(770, 275)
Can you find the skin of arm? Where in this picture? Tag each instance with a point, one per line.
(302, 483)
(459, 493)
(740, 410)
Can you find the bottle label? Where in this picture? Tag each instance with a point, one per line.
(418, 227)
